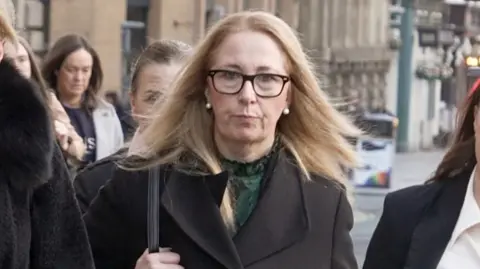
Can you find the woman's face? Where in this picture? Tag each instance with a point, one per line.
(22, 61)
(152, 83)
(245, 116)
(74, 74)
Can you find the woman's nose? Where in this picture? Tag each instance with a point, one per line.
(247, 94)
(77, 76)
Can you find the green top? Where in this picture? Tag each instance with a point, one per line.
(246, 183)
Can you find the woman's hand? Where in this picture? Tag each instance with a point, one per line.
(165, 259)
(61, 131)
(70, 142)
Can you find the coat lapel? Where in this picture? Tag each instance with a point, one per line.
(433, 232)
(193, 202)
(279, 219)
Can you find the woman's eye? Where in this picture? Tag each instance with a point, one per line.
(22, 59)
(268, 78)
(229, 75)
(152, 98)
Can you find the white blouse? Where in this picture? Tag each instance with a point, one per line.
(463, 249)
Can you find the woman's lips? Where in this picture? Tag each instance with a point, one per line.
(246, 116)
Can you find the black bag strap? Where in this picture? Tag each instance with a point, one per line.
(153, 218)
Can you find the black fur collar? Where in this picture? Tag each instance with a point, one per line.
(26, 138)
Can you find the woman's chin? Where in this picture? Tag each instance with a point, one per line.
(247, 136)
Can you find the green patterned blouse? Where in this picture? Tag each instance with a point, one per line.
(246, 183)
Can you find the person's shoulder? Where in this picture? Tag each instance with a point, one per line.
(410, 203)
(332, 184)
(134, 175)
(106, 161)
(414, 196)
(325, 187)
(103, 105)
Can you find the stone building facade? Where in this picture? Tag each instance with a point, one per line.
(348, 39)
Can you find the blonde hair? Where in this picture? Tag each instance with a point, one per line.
(314, 132)
(7, 20)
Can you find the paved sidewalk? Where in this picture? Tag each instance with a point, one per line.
(414, 168)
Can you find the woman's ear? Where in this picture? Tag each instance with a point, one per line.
(207, 95)
(289, 94)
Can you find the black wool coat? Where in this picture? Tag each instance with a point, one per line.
(40, 222)
(296, 224)
(88, 181)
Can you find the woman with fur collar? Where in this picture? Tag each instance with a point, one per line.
(40, 223)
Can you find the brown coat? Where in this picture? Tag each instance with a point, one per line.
(296, 224)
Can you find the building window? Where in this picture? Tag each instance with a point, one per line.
(214, 13)
(475, 18)
(33, 20)
(138, 37)
(134, 34)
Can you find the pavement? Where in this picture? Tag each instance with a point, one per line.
(408, 169)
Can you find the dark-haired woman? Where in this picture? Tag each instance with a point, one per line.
(73, 70)
(40, 223)
(436, 225)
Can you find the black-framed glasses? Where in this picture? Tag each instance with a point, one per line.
(265, 85)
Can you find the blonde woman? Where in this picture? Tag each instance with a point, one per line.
(40, 222)
(250, 154)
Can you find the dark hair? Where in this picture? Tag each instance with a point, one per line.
(34, 68)
(460, 157)
(56, 56)
(159, 52)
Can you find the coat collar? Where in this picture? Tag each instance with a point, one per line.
(434, 230)
(278, 221)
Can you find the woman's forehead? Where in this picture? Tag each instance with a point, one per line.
(249, 51)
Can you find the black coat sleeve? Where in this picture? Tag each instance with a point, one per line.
(343, 256)
(82, 192)
(88, 182)
(111, 222)
(59, 239)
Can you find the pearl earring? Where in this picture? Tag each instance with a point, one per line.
(208, 106)
(286, 111)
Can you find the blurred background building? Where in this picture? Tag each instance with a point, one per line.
(348, 38)
(362, 50)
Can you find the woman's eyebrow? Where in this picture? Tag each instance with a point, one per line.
(231, 66)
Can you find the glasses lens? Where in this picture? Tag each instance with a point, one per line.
(268, 84)
(227, 82)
